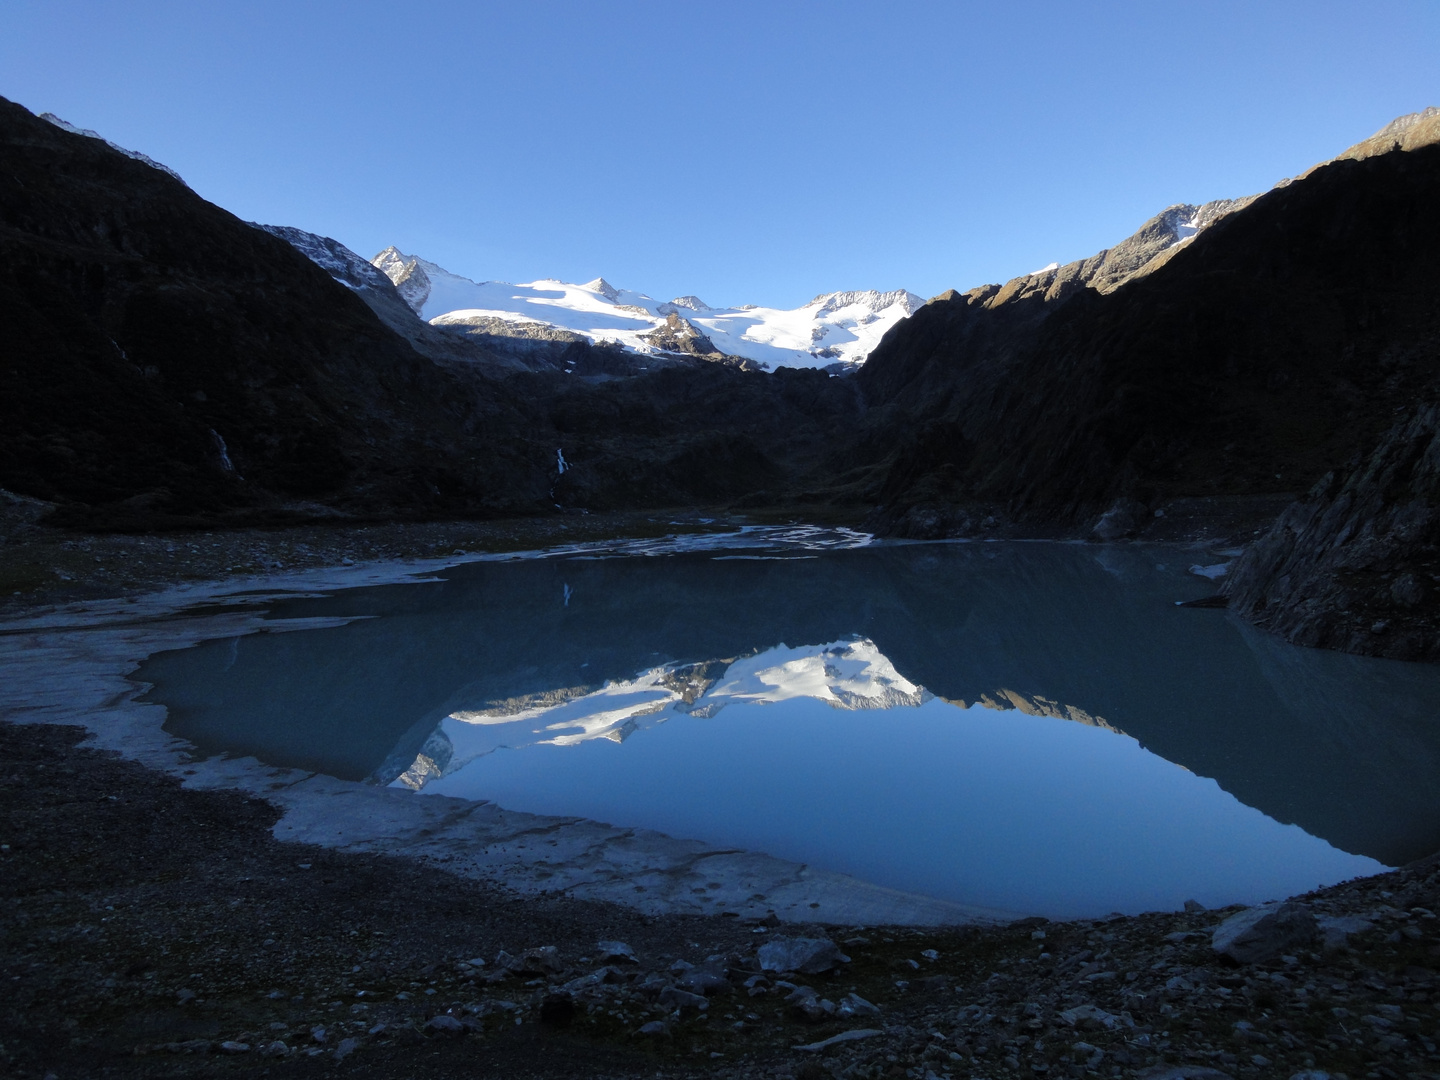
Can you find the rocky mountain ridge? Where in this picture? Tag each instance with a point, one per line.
(65, 125)
(1355, 564)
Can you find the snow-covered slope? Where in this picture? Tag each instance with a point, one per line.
(833, 329)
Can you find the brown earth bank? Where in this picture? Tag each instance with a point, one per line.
(155, 931)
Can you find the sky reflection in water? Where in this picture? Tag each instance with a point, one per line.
(655, 693)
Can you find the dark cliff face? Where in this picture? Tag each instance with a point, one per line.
(709, 434)
(1273, 347)
(1296, 338)
(1355, 565)
(163, 360)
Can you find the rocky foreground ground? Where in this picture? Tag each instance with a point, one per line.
(150, 930)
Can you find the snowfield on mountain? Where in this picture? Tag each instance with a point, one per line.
(835, 330)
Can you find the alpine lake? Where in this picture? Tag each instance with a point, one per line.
(1031, 727)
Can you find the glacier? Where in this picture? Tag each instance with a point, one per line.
(834, 331)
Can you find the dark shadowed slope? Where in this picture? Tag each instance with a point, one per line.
(1281, 343)
(1355, 565)
(167, 363)
(165, 360)
(1281, 340)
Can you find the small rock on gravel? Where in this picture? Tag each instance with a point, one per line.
(844, 1036)
(675, 998)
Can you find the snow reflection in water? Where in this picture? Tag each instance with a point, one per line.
(849, 675)
(1023, 726)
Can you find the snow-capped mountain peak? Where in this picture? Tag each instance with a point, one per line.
(408, 276)
(870, 300)
(604, 288)
(835, 330)
(693, 303)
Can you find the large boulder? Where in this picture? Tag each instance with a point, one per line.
(808, 956)
(1263, 933)
(1124, 518)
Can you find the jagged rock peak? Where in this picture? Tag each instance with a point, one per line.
(1404, 123)
(872, 299)
(604, 288)
(694, 303)
(406, 274)
(680, 335)
(392, 260)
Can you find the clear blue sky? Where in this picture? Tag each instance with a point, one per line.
(746, 152)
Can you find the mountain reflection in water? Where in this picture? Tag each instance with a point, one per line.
(566, 656)
(848, 675)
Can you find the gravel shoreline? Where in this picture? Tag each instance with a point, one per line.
(152, 930)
